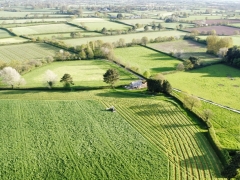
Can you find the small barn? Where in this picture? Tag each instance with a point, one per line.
(137, 85)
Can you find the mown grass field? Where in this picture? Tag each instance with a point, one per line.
(145, 59)
(26, 51)
(85, 73)
(23, 21)
(127, 37)
(45, 139)
(43, 29)
(12, 39)
(75, 137)
(98, 25)
(61, 36)
(4, 34)
(190, 48)
(141, 21)
(218, 83)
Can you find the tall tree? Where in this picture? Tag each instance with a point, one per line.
(144, 40)
(111, 77)
(67, 80)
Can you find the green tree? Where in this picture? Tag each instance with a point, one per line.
(154, 27)
(159, 26)
(144, 40)
(90, 54)
(187, 64)
(82, 54)
(146, 28)
(67, 80)
(104, 30)
(111, 77)
(147, 74)
(119, 16)
(207, 114)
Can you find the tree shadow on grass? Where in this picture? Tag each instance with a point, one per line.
(122, 94)
(163, 69)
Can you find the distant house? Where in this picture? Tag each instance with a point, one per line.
(137, 85)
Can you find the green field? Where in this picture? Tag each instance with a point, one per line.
(61, 36)
(190, 48)
(27, 51)
(43, 29)
(176, 25)
(81, 71)
(146, 59)
(218, 83)
(141, 21)
(23, 21)
(98, 25)
(202, 17)
(83, 142)
(4, 34)
(11, 40)
(74, 137)
(235, 24)
(127, 37)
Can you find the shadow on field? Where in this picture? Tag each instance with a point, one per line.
(158, 56)
(124, 94)
(162, 69)
(172, 125)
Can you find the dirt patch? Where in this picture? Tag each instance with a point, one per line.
(236, 86)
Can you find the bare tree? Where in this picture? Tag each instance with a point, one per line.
(207, 114)
(50, 78)
(191, 101)
(11, 77)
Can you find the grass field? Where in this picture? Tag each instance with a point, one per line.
(43, 29)
(146, 59)
(61, 36)
(139, 141)
(14, 39)
(98, 25)
(218, 83)
(190, 48)
(174, 25)
(127, 37)
(4, 34)
(81, 72)
(26, 51)
(141, 21)
(22, 21)
(202, 17)
(83, 142)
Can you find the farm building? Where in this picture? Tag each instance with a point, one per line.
(137, 85)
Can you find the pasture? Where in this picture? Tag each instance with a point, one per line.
(81, 72)
(100, 24)
(144, 59)
(202, 17)
(216, 21)
(190, 48)
(23, 21)
(12, 40)
(61, 36)
(43, 29)
(141, 21)
(218, 83)
(220, 30)
(4, 34)
(139, 141)
(176, 25)
(27, 51)
(127, 37)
